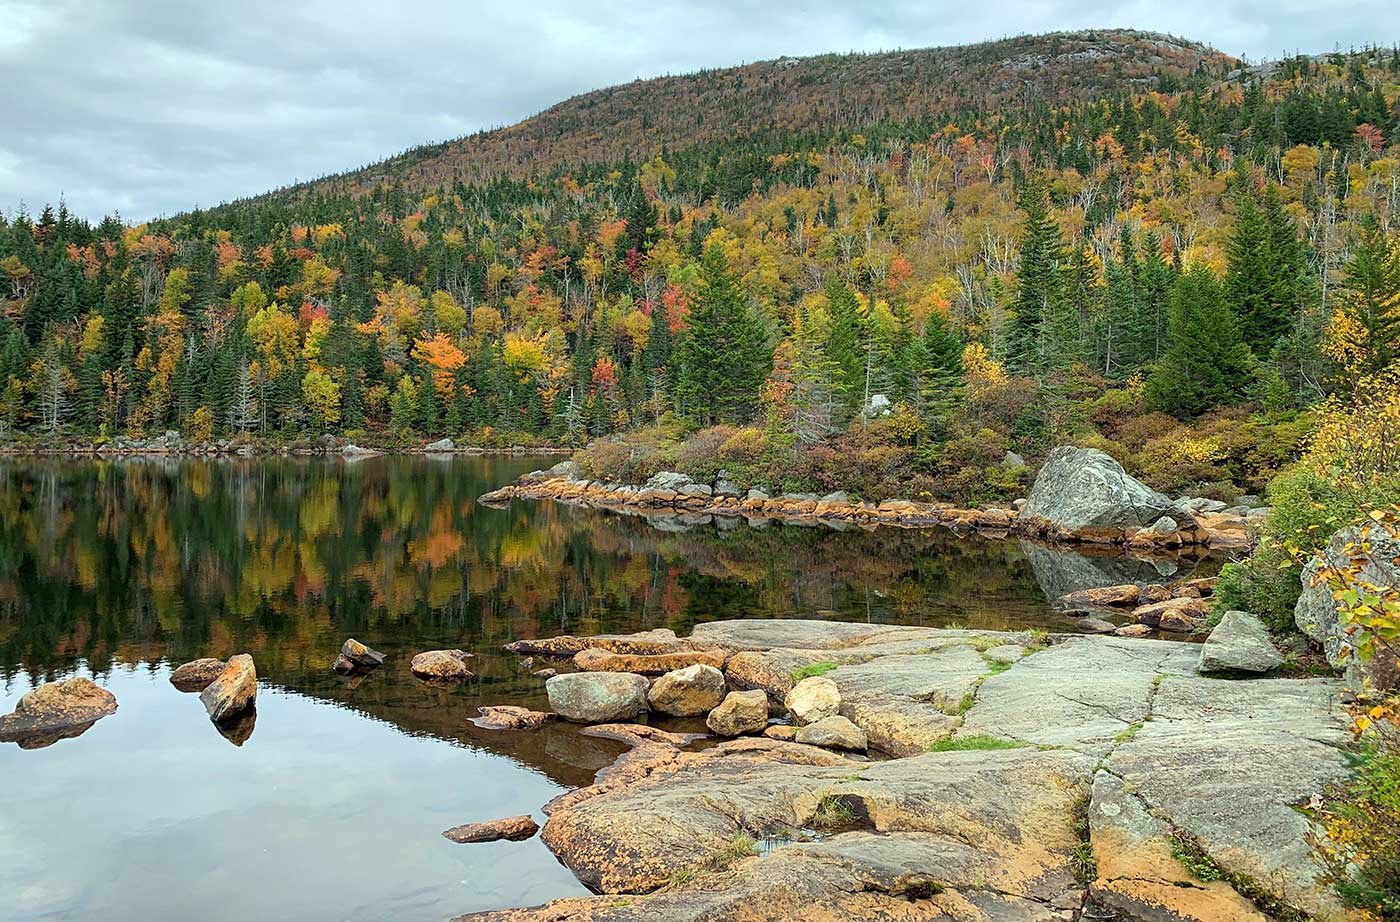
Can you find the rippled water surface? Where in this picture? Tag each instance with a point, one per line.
(332, 808)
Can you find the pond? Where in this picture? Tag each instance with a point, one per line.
(332, 808)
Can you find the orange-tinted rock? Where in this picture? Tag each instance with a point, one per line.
(1180, 609)
(514, 829)
(509, 717)
(233, 692)
(56, 708)
(595, 660)
(1104, 596)
(448, 665)
(196, 675)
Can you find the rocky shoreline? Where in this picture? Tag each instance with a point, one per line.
(1025, 779)
(1080, 496)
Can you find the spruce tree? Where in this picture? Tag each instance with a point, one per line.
(1207, 362)
(1369, 326)
(724, 355)
(1267, 275)
(1040, 283)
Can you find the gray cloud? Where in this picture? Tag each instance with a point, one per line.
(152, 107)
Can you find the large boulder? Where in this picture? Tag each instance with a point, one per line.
(597, 697)
(55, 710)
(668, 480)
(741, 712)
(1239, 643)
(813, 699)
(233, 692)
(688, 692)
(1082, 491)
(440, 445)
(1316, 611)
(197, 674)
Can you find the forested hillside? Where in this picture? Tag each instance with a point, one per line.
(982, 250)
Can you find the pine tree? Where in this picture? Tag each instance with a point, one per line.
(1207, 362)
(1267, 276)
(844, 335)
(724, 355)
(816, 396)
(1040, 283)
(1366, 332)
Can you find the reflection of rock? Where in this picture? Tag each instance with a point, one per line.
(234, 691)
(55, 711)
(194, 676)
(512, 828)
(1060, 571)
(442, 665)
(597, 697)
(356, 656)
(238, 728)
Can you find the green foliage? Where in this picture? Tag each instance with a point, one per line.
(1187, 849)
(1206, 362)
(833, 812)
(1360, 845)
(724, 355)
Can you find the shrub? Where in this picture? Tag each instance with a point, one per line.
(698, 455)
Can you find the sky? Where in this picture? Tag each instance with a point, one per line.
(151, 108)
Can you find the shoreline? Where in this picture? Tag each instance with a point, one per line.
(1208, 531)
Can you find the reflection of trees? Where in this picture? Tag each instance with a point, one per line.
(133, 561)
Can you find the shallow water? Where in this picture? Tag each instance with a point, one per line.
(333, 806)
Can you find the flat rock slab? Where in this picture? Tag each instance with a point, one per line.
(510, 717)
(596, 660)
(1123, 729)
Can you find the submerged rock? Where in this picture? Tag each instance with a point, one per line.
(597, 697)
(812, 699)
(833, 733)
(233, 692)
(355, 655)
(509, 717)
(514, 829)
(196, 675)
(1085, 490)
(448, 665)
(56, 710)
(688, 692)
(1239, 643)
(740, 713)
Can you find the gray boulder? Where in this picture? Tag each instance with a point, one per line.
(833, 733)
(668, 480)
(196, 675)
(1012, 459)
(688, 692)
(1239, 643)
(1316, 611)
(440, 445)
(597, 697)
(741, 712)
(813, 699)
(568, 470)
(1083, 488)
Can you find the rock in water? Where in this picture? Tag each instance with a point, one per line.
(514, 829)
(1095, 626)
(510, 717)
(56, 710)
(741, 712)
(1316, 611)
(812, 699)
(1085, 490)
(233, 692)
(355, 655)
(196, 675)
(1239, 643)
(449, 665)
(688, 692)
(833, 733)
(597, 697)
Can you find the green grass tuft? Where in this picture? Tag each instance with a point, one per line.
(832, 813)
(975, 741)
(811, 669)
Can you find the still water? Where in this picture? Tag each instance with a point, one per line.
(332, 808)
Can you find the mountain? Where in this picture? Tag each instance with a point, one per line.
(830, 91)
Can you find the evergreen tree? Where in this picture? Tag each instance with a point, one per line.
(1366, 331)
(1267, 274)
(1040, 283)
(1207, 362)
(724, 355)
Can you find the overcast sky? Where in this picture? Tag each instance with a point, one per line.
(150, 107)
